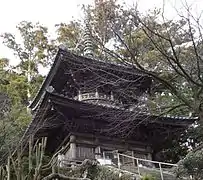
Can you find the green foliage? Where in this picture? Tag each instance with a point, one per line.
(35, 46)
(35, 49)
(14, 116)
(102, 172)
(12, 127)
(25, 165)
(22, 166)
(20, 83)
(191, 165)
(70, 35)
(148, 177)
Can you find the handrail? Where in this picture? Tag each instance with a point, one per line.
(146, 160)
(161, 170)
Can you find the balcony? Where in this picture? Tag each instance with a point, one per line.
(98, 98)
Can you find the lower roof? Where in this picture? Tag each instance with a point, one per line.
(88, 107)
(56, 109)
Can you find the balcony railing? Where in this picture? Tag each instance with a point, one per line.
(93, 96)
(98, 98)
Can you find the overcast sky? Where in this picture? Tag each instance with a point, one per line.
(51, 12)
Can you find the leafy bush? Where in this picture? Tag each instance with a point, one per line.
(102, 172)
(191, 165)
(148, 177)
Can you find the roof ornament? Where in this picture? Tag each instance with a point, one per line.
(88, 45)
(50, 89)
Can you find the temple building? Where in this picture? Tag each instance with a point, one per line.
(88, 106)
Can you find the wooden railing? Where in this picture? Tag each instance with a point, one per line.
(99, 98)
(93, 96)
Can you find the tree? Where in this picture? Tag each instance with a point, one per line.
(167, 50)
(20, 83)
(142, 41)
(13, 115)
(70, 34)
(36, 49)
(98, 20)
(4, 100)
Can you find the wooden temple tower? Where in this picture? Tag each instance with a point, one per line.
(89, 106)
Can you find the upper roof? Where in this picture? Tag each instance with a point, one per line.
(67, 61)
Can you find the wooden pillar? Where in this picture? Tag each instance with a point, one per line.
(98, 152)
(112, 98)
(149, 153)
(149, 156)
(97, 94)
(73, 147)
(79, 96)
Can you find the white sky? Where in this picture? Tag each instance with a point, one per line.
(51, 12)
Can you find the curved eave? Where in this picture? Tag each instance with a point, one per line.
(46, 82)
(34, 122)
